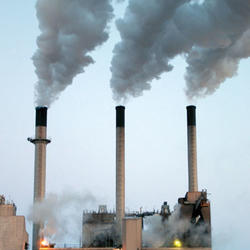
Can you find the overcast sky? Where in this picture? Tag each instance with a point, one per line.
(81, 124)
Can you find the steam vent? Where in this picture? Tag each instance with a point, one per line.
(187, 227)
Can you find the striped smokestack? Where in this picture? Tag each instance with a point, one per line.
(40, 142)
(120, 168)
(192, 151)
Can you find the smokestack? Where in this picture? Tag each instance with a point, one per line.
(40, 142)
(192, 151)
(120, 168)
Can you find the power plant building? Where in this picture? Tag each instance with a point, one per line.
(193, 210)
(120, 230)
(13, 235)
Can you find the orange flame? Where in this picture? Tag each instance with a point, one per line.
(44, 243)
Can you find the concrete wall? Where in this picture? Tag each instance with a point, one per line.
(13, 235)
(7, 210)
(131, 233)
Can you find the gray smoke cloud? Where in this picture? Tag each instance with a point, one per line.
(70, 30)
(158, 233)
(153, 233)
(62, 214)
(213, 35)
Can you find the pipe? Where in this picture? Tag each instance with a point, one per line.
(40, 142)
(192, 149)
(120, 168)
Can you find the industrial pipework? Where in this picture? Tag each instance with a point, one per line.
(120, 168)
(192, 150)
(40, 142)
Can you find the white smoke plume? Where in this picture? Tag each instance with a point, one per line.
(158, 233)
(212, 34)
(153, 233)
(70, 30)
(62, 214)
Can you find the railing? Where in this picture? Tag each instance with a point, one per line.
(68, 245)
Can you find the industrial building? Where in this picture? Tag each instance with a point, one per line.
(120, 230)
(100, 229)
(13, 235)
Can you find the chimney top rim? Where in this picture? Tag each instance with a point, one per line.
(41, 107)
(120, 107)
(191, 106)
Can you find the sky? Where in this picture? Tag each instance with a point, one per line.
(81, 125)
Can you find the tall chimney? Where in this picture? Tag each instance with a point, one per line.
(40, 142)
(120, 168)
(192, 151)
